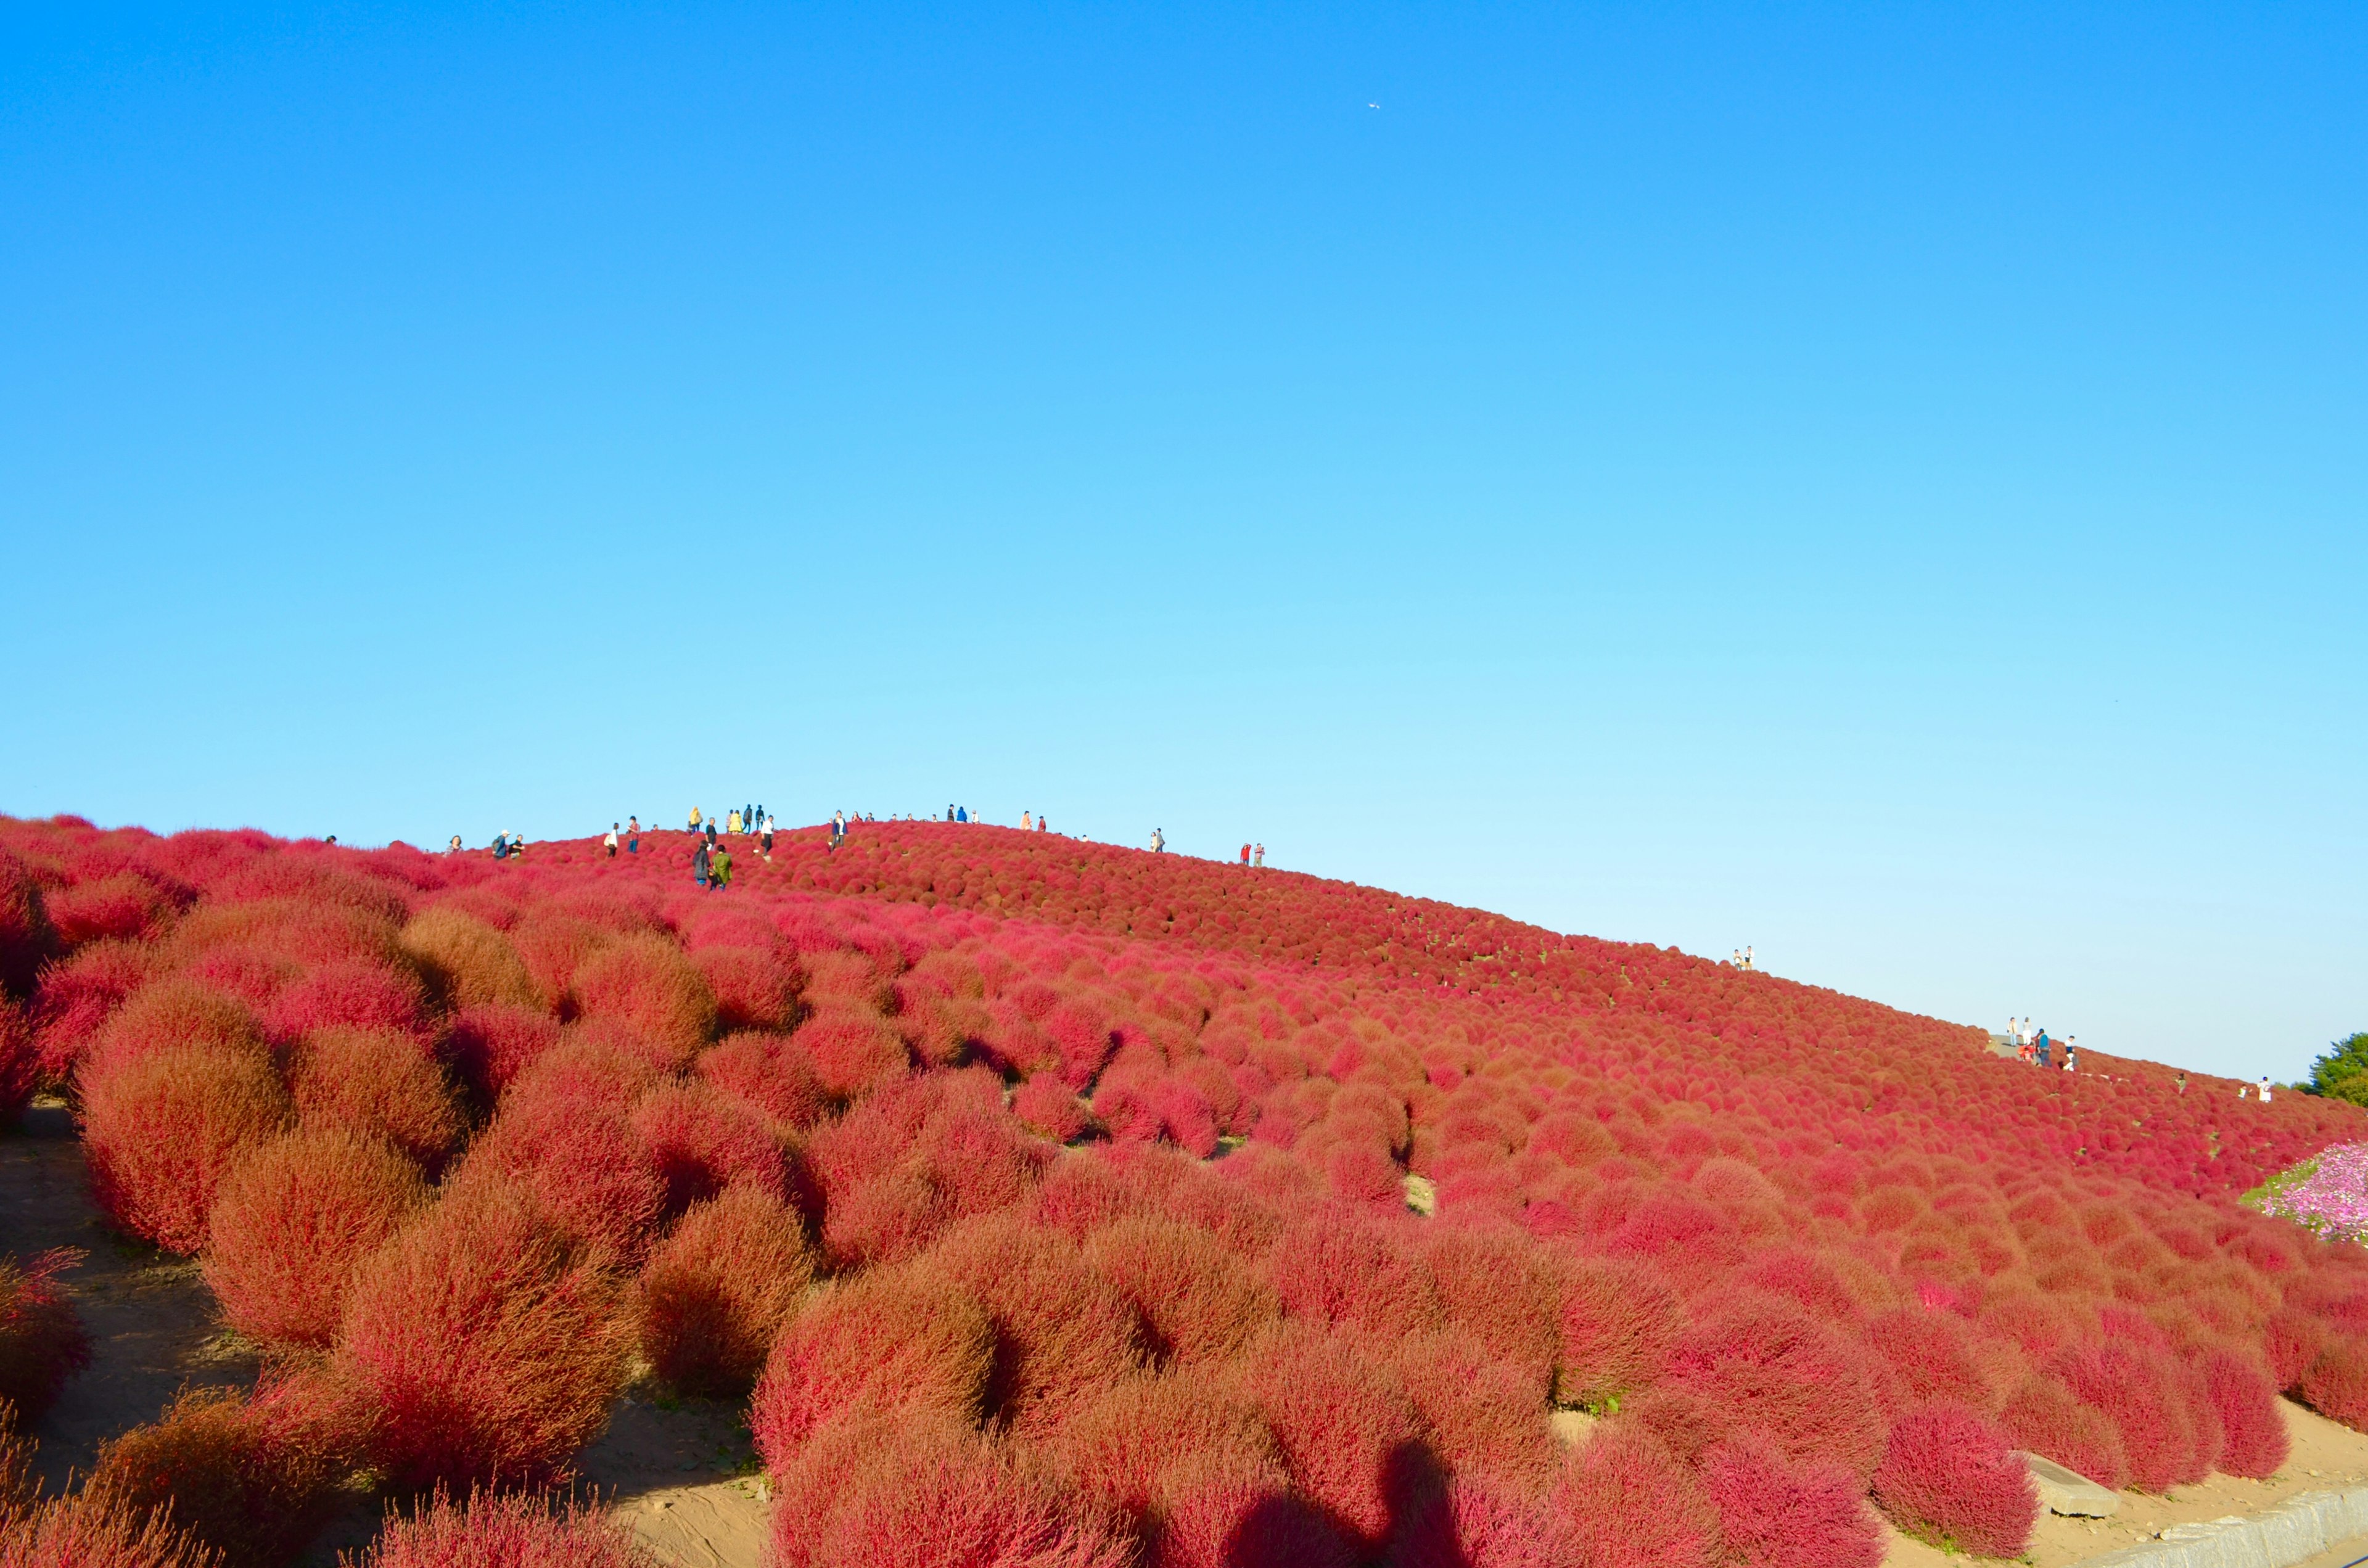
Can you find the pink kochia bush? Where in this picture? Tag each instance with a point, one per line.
(1055, 1199)
(42, 1341)
(1950, 1475)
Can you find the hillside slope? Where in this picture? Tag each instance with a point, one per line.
(1123, 1142)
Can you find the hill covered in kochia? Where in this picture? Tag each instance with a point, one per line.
(1100, 1159)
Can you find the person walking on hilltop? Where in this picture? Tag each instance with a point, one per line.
(632, 835)
(719, 869)
(1246, 854)
(611, 842)
(700, 860)
(1257, 854)
(694, 819)
(765, 844)
(2265, 1088)
(732, 820)
(1158, 841)
(1026, 821)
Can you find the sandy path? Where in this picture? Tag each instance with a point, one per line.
(151, 1317)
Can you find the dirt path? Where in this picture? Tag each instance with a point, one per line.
(151, 1317)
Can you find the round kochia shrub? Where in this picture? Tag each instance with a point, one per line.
(1948, 1475)
(162, 1128)
(42, 1340)
(490, 1347)
(251, 1477)
(887, 1341)
(512, 1531)
(930, 1489)
(20, 1062)
(1625, 1501)
(1777, 1512)
(377, 1084)
(294, 1220)
(467, 961)
(83, 1531)
(716, 1292)
(648, 983)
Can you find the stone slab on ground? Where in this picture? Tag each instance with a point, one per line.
(2067, 1491)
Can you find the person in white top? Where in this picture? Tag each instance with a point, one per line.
(1158, 841)
(2265, 1088)
(612, 841)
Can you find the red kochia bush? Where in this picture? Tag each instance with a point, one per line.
(576, 1159)
(1340, 1266)
(1948, 1475)
(770, 1074)
(1347, 1431)
(512, 1531)
(377, 1084)
(886, 1342)
(850, 1050)
(1496, 1284)
(2336, 1383)
(1761, 1365)
(468, 962)
(704, 1140)
(1047, 1105)
(716, 1292)
(753, 989)
(20, 1062)
(1198, 1300)
(1619, 1322)
(252, 1478)
(2253, 1433)
(292, 1223)
(647, 983)
(2045, 1417)
(492, 1351)
(26, 936)
(1141, 1435)
(123, 906)
(490, 1043)
(78, 994)
(2151, 1401)
(83, 1531)
(933, 1494)
(1061, 1331)
(1623, 1501)
(348, 995)
(42, 1340)
(162, 1130)
(171, 1013)
(1774, 1511)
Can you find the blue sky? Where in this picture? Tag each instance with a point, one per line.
(1882, 484)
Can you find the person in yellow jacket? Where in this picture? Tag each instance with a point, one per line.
(719, 868)
(731, 822)
(694, 819)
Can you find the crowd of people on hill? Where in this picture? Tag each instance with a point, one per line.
(2033, 1045)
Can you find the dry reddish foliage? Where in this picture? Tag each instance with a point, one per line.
(292, 1223)
(376, 1084)
(932, 1493)
(1200, 1301)
(1775, 1511)
(704, 1140)
(1951, 1476)
(770, 1073)
(249, 1477)
(42, 1341)
(512, 1531)
(646, 983)
(161, 1129)
(468, 962)
(886, 1342)
(716, 1292)
(491, 1347)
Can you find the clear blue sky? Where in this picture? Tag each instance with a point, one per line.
(1885, 484)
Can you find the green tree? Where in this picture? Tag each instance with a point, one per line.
(2342, 1072)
